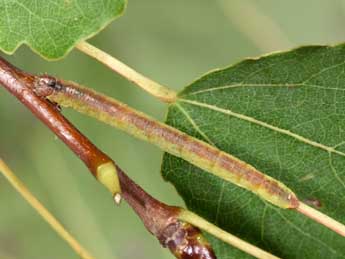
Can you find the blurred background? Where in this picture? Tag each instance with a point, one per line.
(172, 42)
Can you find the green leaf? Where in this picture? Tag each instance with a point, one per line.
(285, 115)
(51, 28)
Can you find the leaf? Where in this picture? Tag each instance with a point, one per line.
(283, 114)
(51, 28)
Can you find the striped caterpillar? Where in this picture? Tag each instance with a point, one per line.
(169, 139)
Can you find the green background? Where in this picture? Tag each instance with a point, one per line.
(173, 42)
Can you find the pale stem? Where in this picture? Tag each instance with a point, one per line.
(41, 210)
(155, 89)
(321, 218)
(228, 238)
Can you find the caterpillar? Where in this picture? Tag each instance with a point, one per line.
(169, 139)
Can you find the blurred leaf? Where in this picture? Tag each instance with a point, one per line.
(284, 114)
(51, 28)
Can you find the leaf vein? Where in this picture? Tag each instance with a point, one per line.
(195, 126)
(304, 233)
(304, 83)
(265, 125)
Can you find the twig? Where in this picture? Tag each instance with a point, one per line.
(20, 84)
(41, 210)
(173, 141)
(157, 90)
(160, 219)
(169, 219)
(183, 239)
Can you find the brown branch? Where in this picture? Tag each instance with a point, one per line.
(21, 85)
(184, 240)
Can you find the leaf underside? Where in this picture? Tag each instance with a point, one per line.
(283, 114)
(51, 28)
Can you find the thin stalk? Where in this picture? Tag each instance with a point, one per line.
(157, 90)
(175, 142)
(201, 223)
(43, 212)
(321, 218)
